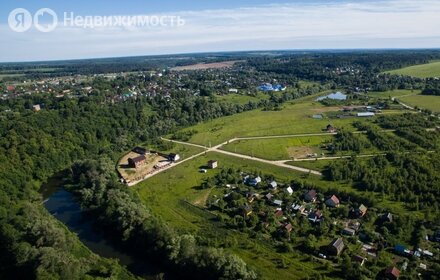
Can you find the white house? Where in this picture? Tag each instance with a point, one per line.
(289, 190)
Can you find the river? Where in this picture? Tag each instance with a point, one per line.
(63, 206)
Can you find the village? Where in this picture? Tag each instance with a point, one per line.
(323, 224)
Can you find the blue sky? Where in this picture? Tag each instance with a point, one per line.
(224, 26)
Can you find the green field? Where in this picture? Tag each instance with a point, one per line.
(423, 102)
(279, 148)
(428, 70)
(392, 93)
(294, 118)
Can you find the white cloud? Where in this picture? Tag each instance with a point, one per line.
(378, 24)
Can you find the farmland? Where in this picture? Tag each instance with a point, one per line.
(429, 102)
(428, 70)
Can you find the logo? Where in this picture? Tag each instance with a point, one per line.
(20, 20)
(43, 13)
(44, 20)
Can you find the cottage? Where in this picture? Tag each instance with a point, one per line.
(137, 161)
(173, 157)
(278, 203)
(387, 217)
(359, 259)
(273, 185)
(233, 90)
(36, 108)
(336, 247)
(279, 213)
(247, 210)
(361, 211)
(212, 164)
(288, 227)
(254, 181)
(140, 150)
(349, 232)
(310, 196)
(269, 196)
(251, 196)
(392, 273)
(333, 201)
(331, 129)
(315, 216)
(298, 208)
(289, 190)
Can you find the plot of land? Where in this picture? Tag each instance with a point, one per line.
(423, 102)
(280, 148)
(420, 71)
(205, 66)
(134, 174)
(295, 118)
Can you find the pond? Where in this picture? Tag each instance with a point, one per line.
(334, 96)
(63, 206)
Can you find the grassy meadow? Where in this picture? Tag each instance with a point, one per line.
(294, 118)
(280, 148)
(428, 70)
(423, 102)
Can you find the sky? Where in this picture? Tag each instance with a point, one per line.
(212, 25)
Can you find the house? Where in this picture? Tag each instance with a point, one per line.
(402, 250)
(140, 150)
(251, 196)
(137, 161)
(247, 210)
(349, 232)
(392, 273)
(36, 108)
(331, 129)
(254, 181)
(288, 227)
(279, 213)
(269, 196)
(361, 211)
(10, 88)
(387, 217)
(212, 164)
(333, 201)
(233, 90)
(315, 216)
(298, 208)
(310, 196)
(173, 157)
(359, 259)
(365, 114)
(278, 203)
(336, 247)
(289, 190)
(273, 185)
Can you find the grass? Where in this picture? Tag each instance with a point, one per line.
(240, 98)
(423, 102)
(295, 118)
(279, 148)
(392, 93)
(428, 70)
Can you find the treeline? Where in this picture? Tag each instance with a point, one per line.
(119, 209)
(350, 70)
(348, 141)
(432, 87)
